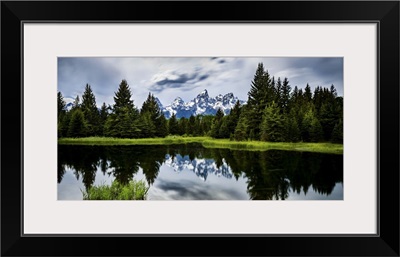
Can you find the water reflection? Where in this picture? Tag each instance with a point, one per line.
(208, 173)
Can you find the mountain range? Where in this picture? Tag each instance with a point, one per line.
(202, 104)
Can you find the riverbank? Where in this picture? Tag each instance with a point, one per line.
(209, 142)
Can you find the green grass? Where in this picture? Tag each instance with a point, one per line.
(209, 143)
(134, 190)
(128, 141)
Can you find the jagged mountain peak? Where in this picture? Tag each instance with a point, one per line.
(202, 104)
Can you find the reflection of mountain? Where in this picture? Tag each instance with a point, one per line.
(201, 167)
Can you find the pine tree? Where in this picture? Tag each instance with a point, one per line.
(91, 112)
(183, 126)
(77, 126)
(124, 121)
(151, 117)
(241, 130)
(217, 124)
(292, 127)
(224, 128)
(260, 87)
(307, 93)
(316, 132)
(262, 92)
(173, 125)
(60, 114)
(161, 126)
(272, 126)
(285, 95)
(191, 125)
(337, 133)
(103, 117)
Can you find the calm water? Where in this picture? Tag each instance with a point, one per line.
(191, 172)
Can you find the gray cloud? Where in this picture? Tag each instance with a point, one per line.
(168, 78)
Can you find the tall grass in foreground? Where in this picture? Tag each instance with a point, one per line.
(134, 190)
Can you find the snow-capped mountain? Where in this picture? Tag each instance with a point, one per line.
(201, 167)
(203, 104)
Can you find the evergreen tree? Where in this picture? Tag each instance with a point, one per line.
(307, 93)
(272, 126)
(279, 94)
(147, 127)
(76, 103)
(316, 132)
(311, 127)
(91, 112)
(192, 125)
(224, 131)
(183, 126)
(285, 95)
(103, 117)
(61, 104)
(337, 133)
(60, 114)
(173, 125)
(124, 120)
(152, 117)
(260, 88)
(161, 126)
(217, 124)
(199, 125)
(292, 127)
(77, 126)
(241, 130)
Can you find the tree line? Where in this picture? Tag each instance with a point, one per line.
(274, 112)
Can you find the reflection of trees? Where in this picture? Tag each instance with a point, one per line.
(82, 159)
(270, 174)
(151, 159)
(123, 162)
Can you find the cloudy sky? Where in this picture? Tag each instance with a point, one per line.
(168, 78)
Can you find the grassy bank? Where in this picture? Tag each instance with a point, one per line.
(209, 143)
(134, 190)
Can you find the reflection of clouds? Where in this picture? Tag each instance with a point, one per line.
(191, 190)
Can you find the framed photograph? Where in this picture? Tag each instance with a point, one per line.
(271, 125)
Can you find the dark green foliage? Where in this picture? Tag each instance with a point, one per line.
(337, 133)
(77, 126)
(91, 112)
(217, 124)
(274, 112)
(272, 126)
(61, 112)
(292, 128)
(173, 128)
(285, 95)
(183, 126)
(122, 98)
(124, 120)
(262, 92)
(307, 94)
(152, 121)
(191, 129)
(241, 129)
(103, 117)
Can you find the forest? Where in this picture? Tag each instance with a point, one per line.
(274, 112)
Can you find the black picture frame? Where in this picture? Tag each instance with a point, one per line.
(384, 13)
